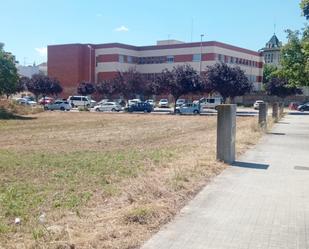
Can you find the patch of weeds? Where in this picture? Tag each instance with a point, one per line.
(4, 228)
(18, 200)
(38, 233)
(110, 190)
(140, 215)
(178, 180)
(71, 200)
(159, 155)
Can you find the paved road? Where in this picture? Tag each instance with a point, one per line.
(262, 202)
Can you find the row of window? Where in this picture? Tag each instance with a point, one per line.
(236, 60)
(195, 58)
(270, 58)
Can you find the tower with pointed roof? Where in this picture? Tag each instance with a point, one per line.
(271, 51)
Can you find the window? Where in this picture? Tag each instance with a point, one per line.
(196, 57)
(232, 60)
(130, 59)
(170, 59)
(121, 58)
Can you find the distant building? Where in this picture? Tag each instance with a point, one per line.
(29, 71)
(73, 63)
(271, 51)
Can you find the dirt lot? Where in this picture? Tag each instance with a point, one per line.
(98, 180)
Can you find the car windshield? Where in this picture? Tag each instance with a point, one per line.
(163, 100)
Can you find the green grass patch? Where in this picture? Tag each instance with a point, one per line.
(31, 182)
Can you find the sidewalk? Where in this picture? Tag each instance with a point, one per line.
(261, 202)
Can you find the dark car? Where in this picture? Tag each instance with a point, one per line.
(304, 107)
(140, 107)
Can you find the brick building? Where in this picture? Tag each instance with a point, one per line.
(73, 63)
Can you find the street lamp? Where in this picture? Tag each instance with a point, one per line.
(90, 49)
(202, 35)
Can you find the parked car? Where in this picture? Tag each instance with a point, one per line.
(46, 100)
(257, 104)
(304, 107)
(25, 101)
(76, 101)
(210, 103)
(151, 102)
(133, 101)
(62, 105)
(108, 107)
(189, 108)
(163, 103)
(293, 106)
(103, 101)
(93, 103)
(180, 102)
(140, 107)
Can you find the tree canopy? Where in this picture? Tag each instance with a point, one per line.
(181, 80)
(294, 64)
(280, 87)
(43, 85)
(228, 81)
(304, 5)
(8, 73)
(85, 88)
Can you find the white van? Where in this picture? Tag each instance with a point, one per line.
(210, 103)
(76, 101)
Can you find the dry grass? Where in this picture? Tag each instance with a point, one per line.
(104, 180)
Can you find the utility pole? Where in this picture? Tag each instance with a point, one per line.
(90, 49)
(202, 35)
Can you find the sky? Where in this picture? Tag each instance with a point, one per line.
(27, 27)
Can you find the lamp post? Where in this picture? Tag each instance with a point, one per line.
(202, 35)
(90, 49)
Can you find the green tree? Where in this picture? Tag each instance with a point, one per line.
(304, 5)
(268, 72)
(279, 87)
(8, 73)
(294, 59)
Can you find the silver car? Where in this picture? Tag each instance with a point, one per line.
(188, 108)
(108, 107)
(61, 105)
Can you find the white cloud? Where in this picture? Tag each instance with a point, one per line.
(122, 29)
(42, 51)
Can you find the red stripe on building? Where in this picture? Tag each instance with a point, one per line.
(108, 58)
(106, 75)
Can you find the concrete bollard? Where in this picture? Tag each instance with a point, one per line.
(275, 113)
(226, 133)
(263, 110)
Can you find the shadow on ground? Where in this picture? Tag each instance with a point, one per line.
(5, 115)
(299, 113)
(276, 133)
(250, 165)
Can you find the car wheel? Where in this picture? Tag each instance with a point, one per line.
(72, 105)
(113, 110)
(149, 111)
(195, 112)
(62, 109)
(45, 108)
(302, 110)
(97, 109)
(177, 111)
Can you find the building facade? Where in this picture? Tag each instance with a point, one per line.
(73, 63)
(271, 51)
